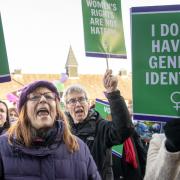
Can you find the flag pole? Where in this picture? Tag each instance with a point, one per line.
(107, 63)
(107, 53)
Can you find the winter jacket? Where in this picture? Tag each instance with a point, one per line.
(50, 162)
(161, 164)
(100, 135)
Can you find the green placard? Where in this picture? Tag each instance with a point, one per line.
(104, 110)
(103, 28)
(4, 67)
(156, 61)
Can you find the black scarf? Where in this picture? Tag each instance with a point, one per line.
(44, 137)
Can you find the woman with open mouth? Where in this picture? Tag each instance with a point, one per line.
(40, 146)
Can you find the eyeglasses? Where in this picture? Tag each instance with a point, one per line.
(73, 101)
(50, 96)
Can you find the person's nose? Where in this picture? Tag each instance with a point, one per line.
(78, 103)
(43, 99)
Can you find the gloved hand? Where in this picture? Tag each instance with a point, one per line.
(172, 132)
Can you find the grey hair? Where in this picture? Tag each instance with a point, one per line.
(74, 88)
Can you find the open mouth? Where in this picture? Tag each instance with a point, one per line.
(43, 112)
(79, 111)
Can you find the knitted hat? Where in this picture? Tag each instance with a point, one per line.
(31, 87)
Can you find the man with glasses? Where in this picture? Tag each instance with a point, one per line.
(99, 134)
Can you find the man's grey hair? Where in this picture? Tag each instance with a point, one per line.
(76, 88)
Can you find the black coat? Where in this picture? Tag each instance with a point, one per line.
(100, 135)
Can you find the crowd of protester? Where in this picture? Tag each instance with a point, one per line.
(39, 140)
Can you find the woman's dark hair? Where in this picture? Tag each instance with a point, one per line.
(7, 123)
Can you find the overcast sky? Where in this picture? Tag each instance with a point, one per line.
(38, 34)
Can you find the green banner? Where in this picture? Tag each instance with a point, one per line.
(4, 67)
(104, 110)
(156, 62)
(103, 28)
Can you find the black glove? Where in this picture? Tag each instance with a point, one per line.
(172, 132)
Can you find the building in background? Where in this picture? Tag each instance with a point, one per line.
(71, 65)
(92, 82)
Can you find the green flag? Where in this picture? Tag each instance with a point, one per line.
(4, 67)
(156, 62)
(103, 28)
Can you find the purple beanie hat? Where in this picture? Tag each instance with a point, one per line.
(31, 87)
